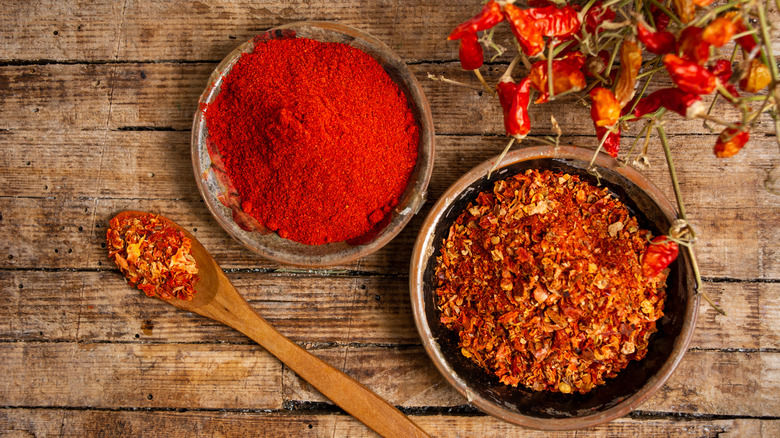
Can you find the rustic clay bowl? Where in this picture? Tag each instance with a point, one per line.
(270, 245)
(546, 410)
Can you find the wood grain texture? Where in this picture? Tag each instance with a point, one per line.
(165, 95)
(96, 103)
(99, 307)
(214, 376)
(25, 423)
(85, 177)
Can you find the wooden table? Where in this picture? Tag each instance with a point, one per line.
(96, 105)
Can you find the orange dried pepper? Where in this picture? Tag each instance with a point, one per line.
(729, 142)
(605, 108)
(630, 62)
(566, 76)
(757, 77)
(685, 9)
(719, 31)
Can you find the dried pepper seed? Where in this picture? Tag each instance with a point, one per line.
(542, 282)
(153, 256)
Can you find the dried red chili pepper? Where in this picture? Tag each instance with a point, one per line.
(153, 256)
(722, 69)
(514, 100)
(605, 108)
(470, 52)
(757, 77)
(660, 254)
(688, 105)
(566, 76)
(702, 3)
(730, 141)
(556, 22)
(612, 143)
(575, 58)
(596, 15)
(692, 47)
(525, 30)
(660, 19)
(719, 31)
(689, 76)
(747, 42)
(685, 10)
(530, 25)
(489, 16)
(630, 62)
(659, 43)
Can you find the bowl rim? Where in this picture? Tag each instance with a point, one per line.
(414, 196)
(423, 250)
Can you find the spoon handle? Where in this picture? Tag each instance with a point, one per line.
(231, 309)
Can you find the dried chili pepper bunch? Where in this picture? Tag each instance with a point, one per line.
(620, 43)
(550, 283)
(608, 52)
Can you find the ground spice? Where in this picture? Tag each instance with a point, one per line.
(542, 281)
(153, 255)
(316, 138)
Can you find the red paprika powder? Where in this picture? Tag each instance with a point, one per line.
(316, 139)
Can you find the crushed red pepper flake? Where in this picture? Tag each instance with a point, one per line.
(542, 281)
(153, 256)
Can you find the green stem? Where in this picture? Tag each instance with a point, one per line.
(666, 11)
(681, 213)
(672, 171)
(550, 90)
(767, 42)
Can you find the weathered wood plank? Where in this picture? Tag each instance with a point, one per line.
(148, 30)
(165, 95)
(214, 376)
(94, 423)
(25, 422)
(734, 215)
(100, 307)
(141, 375)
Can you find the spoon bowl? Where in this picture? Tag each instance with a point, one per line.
(216, 298)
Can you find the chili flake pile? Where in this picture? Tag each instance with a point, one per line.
(153, 255)
(542, 281)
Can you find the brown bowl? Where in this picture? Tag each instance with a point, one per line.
(270, 245)
(549, 410)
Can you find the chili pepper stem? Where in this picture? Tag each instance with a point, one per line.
(681, 213)
(550, 89)
(666, 11)
(441, 78)
(512, 65)
(764, 26)
(501, 157)
(483, 82)
(712, 119)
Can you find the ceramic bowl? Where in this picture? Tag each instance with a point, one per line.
(548, 410)
(270, 245)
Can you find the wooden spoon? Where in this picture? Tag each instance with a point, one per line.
(216, 298)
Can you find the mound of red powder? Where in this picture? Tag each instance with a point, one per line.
(317, 139)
